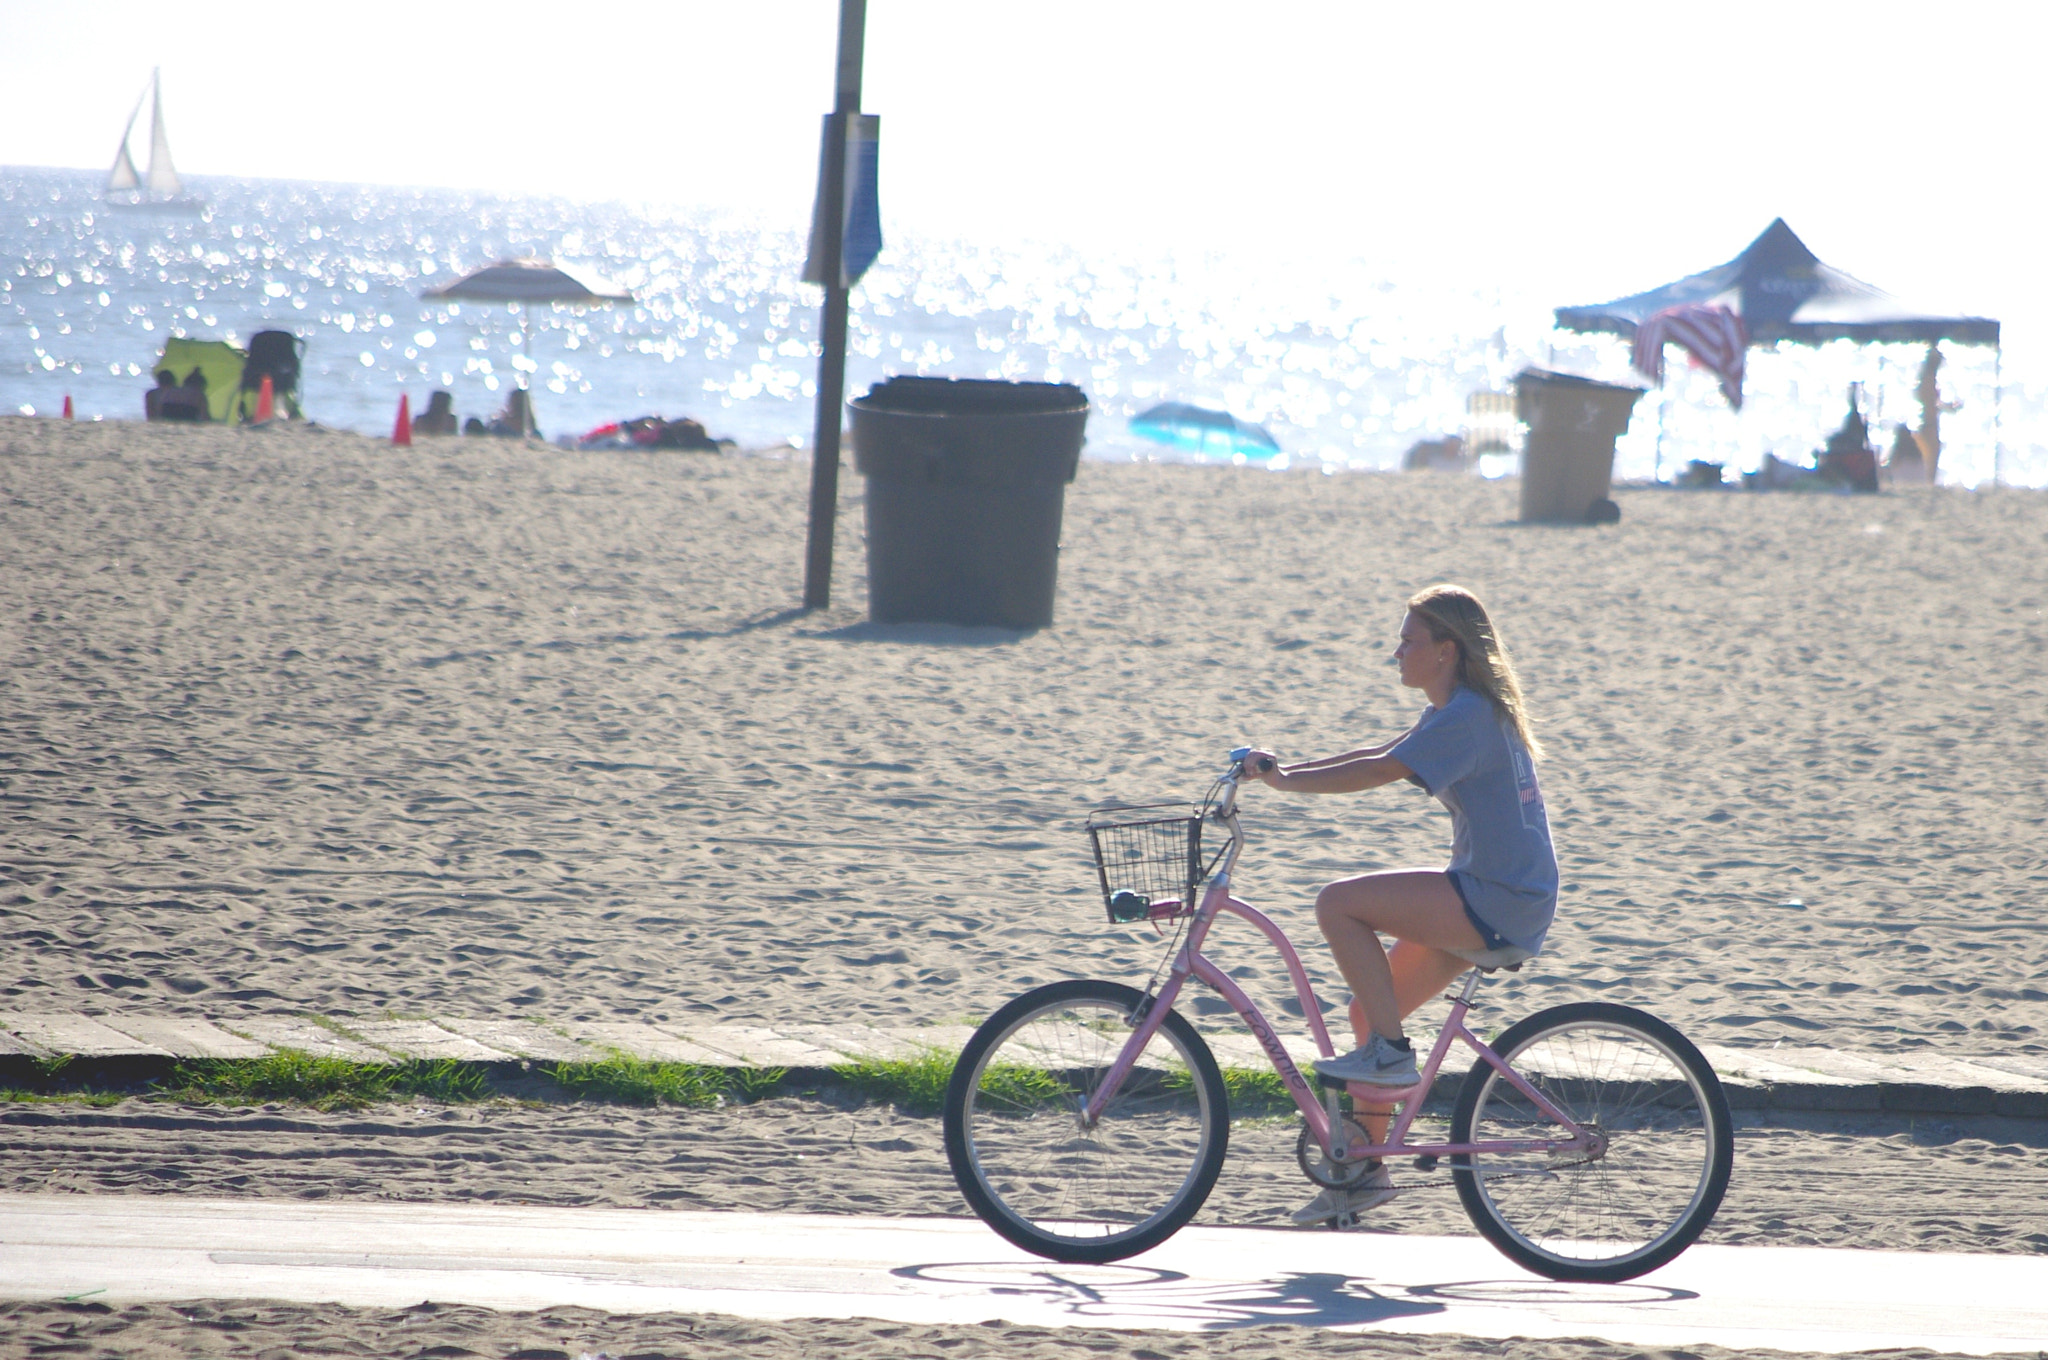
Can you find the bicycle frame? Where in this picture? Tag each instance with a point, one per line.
(1189, 961)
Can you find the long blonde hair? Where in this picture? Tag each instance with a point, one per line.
(1454, 614)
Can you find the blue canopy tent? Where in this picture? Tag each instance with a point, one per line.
(1783, 291)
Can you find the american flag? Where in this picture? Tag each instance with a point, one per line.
(1711, 333)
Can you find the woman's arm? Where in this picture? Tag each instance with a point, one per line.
(1339, 774)
(1333, 774)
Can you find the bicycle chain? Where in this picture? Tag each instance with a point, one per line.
(1447, 1180)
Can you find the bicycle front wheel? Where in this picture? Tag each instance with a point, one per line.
(1057, 1186)
(1629, 1205)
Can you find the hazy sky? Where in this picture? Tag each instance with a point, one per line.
(1586, 149)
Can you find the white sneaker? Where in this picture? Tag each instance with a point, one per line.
(1377, 1062)
(1375, 1189)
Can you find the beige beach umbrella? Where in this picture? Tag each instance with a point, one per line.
(523, 283)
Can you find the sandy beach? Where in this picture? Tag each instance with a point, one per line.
(259, 1329)
(299, 722)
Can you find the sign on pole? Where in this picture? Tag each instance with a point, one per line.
(860, 218)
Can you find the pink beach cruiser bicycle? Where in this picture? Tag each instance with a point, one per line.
(1087, 1121)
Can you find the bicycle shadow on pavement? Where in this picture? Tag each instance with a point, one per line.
(1124, 1295)
(1332, 1299)
(1127, 1295)
(1550, 1292)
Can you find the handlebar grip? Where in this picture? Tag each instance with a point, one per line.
(1264, 766)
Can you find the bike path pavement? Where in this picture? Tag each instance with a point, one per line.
(128, 1046)
(126, 1249)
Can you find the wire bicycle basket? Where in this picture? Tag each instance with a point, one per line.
(1148, 859)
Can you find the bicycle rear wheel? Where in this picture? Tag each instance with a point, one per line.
(1073, 1192)
(1618, 1212)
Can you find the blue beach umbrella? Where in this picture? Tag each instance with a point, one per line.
(1197, 429)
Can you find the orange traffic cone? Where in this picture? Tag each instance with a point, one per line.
(67, 406)
(401, 433)
(266, 402)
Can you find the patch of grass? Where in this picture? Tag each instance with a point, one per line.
(752, 1083)
(1256, 1091)
(639, 1081)
(287, 1074)
(1024, 1087)
(1253, 1092)
(443, 1079)
(916, 1085)
(96, 1099)
(324, 1083)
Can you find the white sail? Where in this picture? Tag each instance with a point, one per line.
(123, 175)
(163, 176)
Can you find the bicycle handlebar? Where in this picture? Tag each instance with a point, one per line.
(1226, 807)
(1237, 756)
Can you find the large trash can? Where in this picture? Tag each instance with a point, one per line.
(966, 482)
(1568, 459)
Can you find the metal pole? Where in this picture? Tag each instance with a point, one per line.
(1997, 411)
(526, 349)
(1663, 409)
(832, 320)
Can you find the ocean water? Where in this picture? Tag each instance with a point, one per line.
(1345, 366)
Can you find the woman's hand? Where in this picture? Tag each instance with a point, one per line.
(1263, 766)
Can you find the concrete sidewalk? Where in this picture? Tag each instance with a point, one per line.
(118, 1250)
(127, 1047)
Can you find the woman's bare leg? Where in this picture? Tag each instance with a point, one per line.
(1419, 974)
(1418, 906)
(1421, 909)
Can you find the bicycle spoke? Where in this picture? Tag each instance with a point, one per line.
(1019, 1145)
(1613, 1211)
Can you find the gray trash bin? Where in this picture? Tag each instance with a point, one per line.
(1568, 459)
(966, 483)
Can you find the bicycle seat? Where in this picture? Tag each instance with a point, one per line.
(1508, 956)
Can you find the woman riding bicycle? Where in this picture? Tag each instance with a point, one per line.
(1473, 750)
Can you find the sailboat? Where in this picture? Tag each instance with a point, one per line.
(161, 190)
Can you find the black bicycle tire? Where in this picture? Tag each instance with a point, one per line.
(1013, 1227)
(1667, 1246)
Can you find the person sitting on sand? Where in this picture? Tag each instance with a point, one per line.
(439, 417)
(168, 401)
(195, 383)
(1849, 460)
(516, 420)
(1472, 749)
(153, 399)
